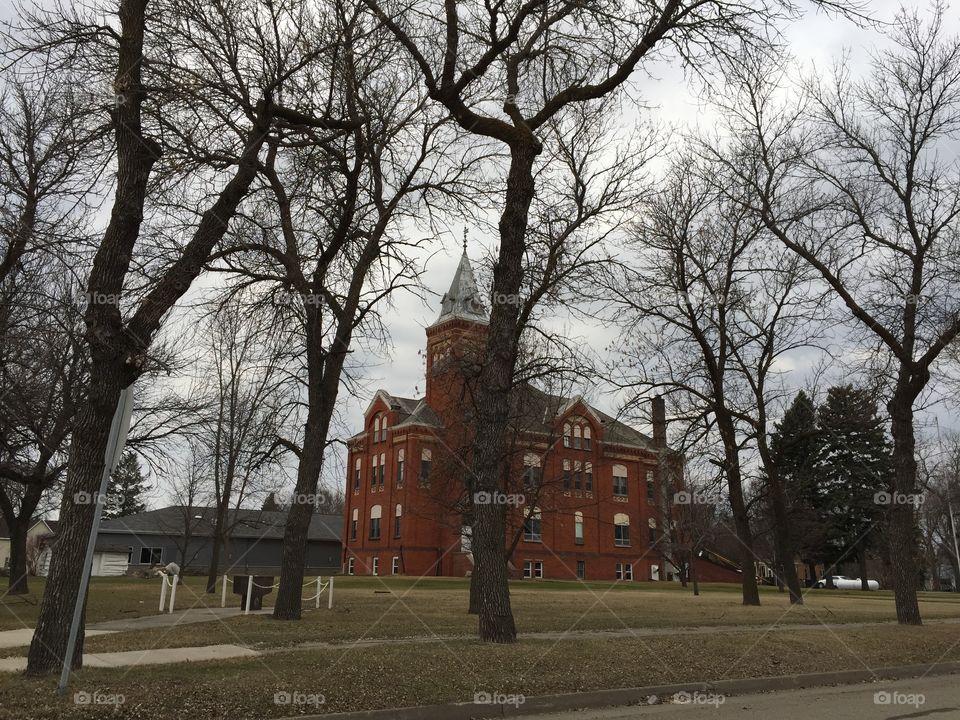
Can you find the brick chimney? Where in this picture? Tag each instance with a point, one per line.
(658, 413)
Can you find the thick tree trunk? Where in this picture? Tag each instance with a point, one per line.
(787, 571)
(741, 518)
(493, 405)
(213, 571)
(17, 584)
(862, 562)
(87, 448)
(901, 528)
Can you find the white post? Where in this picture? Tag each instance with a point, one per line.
(163, 592)
(223, 593)
(173, 591)
(246, 610)
(330, 594)
(319, 590)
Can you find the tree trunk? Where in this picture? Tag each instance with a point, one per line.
(474, 607)
(741, 519)
(87, 449)
(493, 405)
(17, 584)
(693, 575)
(781, 539)
(901, 528)
(862, 562)
(213, 572)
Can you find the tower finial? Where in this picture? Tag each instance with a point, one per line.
(464, 239)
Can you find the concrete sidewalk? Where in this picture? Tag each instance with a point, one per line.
(22, 638)
(160, 656)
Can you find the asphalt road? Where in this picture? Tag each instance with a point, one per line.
(935, 697)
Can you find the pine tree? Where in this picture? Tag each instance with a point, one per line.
(795, 445)
(270, 504)
(853, 468)
(126, 490)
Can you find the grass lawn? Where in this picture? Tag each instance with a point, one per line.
(352, 675)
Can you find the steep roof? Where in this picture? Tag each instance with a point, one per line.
(463, 299)
(246, 523)
(422, 414)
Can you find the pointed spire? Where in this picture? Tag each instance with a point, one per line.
(463, 300)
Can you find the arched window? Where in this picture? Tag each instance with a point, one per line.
(383, 428)
(373, 472)
(532, 528)
(621, 530)
(400, 456)
(397, 514)
(588, 477)
(577, 434)
(587, 441)
(566, 435)
(578, 527)
(566, 474)
(375, 513)
(531, 470)
(426, 460)
(577, 475)
(354, 519)
(376, 429)
(356, 476)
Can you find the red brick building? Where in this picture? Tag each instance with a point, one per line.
(590, 505)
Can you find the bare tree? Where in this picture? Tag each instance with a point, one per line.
(857, 181)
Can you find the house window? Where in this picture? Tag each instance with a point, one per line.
(578, 527)
(624, 571)
(354, 521)
(376, 566)
(581, 569)
(373, 473)
(400, 457)
(383, 468)
(538, 569)
(566, 474)
(577, 475)
(151, 555)
(527, 569)
(588, 477)
(376, 429)
(531, 471)
(395, 565)
(587, 441)
(396, 521)
(426, 460)
(356, 476)
(531, 527)
(383, 428)
(375, 513)
(651, 492)
(566, 435)
(532, 569)
(652, 530)
(349, 566)
(576, 437)
(619, 481)
(621, 530)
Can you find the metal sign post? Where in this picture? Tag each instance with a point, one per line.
(118, 437)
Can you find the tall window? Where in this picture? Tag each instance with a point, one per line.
(581, 569)
(651, 490)
(531, 470)
(577, 475)
(396, 521)
(566, 474)
(375, 513)
(566, 435)
(587, 441)
(578, 527)
(376, 566)
(621, 530)
(373, 473)
(577, 435)
(652, 530)
(400, 457)
(532, 527)
(395, 566)
(354, 521)
(426, 459)
(620, 480)
(588, 477)
(376, 429)
(383, 428)
(349, 566)
(383, 468)
(356, 476)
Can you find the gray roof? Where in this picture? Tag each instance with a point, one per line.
(463, 299)
(246, 523)
(422, 414)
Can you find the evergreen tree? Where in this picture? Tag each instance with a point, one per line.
(795, 445)
(270, 504)
(853, 468)
(126, 490)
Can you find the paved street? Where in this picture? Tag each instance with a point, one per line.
(934, 697)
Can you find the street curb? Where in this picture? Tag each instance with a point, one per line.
(639, 696)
